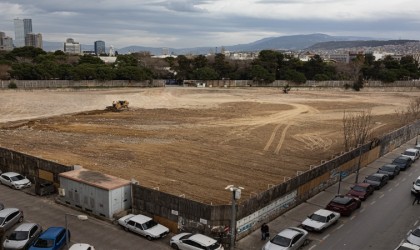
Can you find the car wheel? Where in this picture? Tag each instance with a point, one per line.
(125, 228)
(174, 246)
(148, 237)
(20, 219)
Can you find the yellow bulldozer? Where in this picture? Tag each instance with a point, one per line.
(118, 106)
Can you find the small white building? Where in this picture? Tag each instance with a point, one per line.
(94, 192)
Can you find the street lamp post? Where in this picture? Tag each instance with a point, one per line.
(78, 216)
(358, 164)
(236, 195)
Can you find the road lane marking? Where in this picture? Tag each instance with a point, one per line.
(373, 202)
(403, 180)
(354, 216)
(326, 236)
(362, 210)
(312, 247)
(415, 223)
(389, 190)
(396, 185)
(340, 226)
(381, 196)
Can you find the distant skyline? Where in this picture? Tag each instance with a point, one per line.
(209, 23)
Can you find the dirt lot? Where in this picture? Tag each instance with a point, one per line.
(190, 141)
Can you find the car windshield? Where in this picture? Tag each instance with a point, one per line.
(281, 241)
(399, 160)
(388, 169)
(409, 153)
(1, 220)
(149, 224)
(373, 178)
(214, 246)
(416, 232)
(317, 217)
(19, 235)
(418, 182)
(44, 243)
(359, 188)
(17, 177)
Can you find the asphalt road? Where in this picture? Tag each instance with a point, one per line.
(103, 235)
(382, 222)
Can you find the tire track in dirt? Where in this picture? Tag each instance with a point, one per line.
(286, 118)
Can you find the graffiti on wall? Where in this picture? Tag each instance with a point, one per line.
(274, 208)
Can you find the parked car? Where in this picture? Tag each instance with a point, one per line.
(413, 153)
(14, 180)
(403, 162)
(189, 241)
(320, 220)
(345, 205)
(361, 190)
(143, 225)
(291, 238)
(9, 217)
(23, 236)
(53, 238)
(417, 146)
(414, 236)
(390, 169)
(407, 246)
(377, 180)
(416, 186)
(82, 246)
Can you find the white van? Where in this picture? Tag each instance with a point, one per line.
(412, 153)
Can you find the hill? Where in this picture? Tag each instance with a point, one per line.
(331, 45)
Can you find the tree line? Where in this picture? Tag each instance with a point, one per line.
(29, 63)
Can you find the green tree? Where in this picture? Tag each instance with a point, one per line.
(295, 76)
(89, 59)
(261, 75)
(205, 73)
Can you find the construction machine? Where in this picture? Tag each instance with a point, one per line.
(118, 106)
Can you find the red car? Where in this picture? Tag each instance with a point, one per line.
(345, 205)
(361, 190)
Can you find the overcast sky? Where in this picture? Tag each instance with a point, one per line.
(198, 23)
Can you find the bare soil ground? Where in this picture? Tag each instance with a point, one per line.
(190, 141)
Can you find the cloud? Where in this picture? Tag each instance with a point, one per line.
(194, 23)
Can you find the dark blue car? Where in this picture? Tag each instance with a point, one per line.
(51, 239)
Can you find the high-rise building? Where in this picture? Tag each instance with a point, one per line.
(72, 47)
(34, 40)
(6, 43)
(22, 27)
(99, 47)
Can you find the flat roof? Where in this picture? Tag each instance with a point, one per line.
(97, 179)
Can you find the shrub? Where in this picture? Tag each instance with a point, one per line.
(12, 85)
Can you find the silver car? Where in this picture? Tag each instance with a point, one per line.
(291, 238)
(23, 236)
(14, 180)
(414, 236)
(143, 225)
(9, 217)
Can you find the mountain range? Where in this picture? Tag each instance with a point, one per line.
(293, 42)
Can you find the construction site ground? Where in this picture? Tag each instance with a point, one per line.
(191, 141)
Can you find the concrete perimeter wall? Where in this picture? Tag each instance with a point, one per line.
(41, 84)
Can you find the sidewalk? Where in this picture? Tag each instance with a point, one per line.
(295, 216)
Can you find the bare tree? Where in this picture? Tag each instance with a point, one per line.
(410, 113)
(356, 127)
